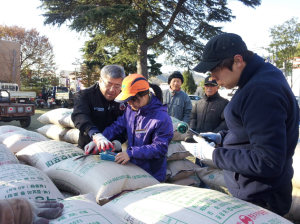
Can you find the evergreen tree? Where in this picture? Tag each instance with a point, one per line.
(189, 85)
(285, 39)
(131, 28)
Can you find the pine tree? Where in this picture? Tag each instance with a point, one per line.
(131, 28)
(189, 85)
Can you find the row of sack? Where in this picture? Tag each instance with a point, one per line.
(60, 127)
(147, 201)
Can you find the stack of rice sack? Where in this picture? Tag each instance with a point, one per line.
(169, 203)
(19, 180)
(59, 125)
(16, 138)
(31, 183)
(105, 179)
(180, 169)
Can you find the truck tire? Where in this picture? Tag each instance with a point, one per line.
(25, 122)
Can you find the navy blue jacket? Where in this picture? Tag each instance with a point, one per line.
(262, 118)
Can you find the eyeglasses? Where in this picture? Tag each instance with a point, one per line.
(109, 85)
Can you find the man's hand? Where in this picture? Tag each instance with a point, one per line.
(204, 148)
(117, 146)
(91, 147)
(102, 142)
(44, 210)
(216, 137)
(122, 158)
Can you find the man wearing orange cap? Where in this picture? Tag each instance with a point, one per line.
(149, 127)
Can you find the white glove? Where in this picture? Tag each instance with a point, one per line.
(117, 145)
(102, 142)
(44, 210)
(204, 148)
(91, 147)
(216, 137)
(201, 150)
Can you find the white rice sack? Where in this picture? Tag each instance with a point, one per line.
(168, 203)
(193, 149)
(181, 169)
(211, 177)
(71, 136)
(294, 213)
(66, 121)
(18, 140)
(9, 128)
(83, 209)
(103, 178)
(177, 136)
(176, 151)
(17, 180)
(42, 155)
(6, 156)
(296, 166)
(53, 116)
(53, 131)
(186, 182)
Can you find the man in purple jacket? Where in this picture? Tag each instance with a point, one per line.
(262, 117)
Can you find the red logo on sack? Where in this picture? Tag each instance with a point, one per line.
(246, 219)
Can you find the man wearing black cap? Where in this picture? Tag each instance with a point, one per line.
(262, 117)
(207, 114)
(179, 103)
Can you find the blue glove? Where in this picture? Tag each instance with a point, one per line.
(217, 138)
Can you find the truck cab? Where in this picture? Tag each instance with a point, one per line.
(59, 95)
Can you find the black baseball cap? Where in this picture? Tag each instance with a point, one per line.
(218, 48)
(209, 81)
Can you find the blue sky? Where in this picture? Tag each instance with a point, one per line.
(251, 24)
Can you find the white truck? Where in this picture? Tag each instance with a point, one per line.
(17, 96)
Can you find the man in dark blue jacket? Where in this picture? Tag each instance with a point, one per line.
(262, 117)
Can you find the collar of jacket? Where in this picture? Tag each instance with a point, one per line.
(174, 91)
(250, 70)
(216, 95)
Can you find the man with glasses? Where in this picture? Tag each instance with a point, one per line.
(262, 116)
(95, 108)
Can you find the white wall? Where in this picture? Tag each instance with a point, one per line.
(296, 82)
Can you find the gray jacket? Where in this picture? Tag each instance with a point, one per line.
(179, 104)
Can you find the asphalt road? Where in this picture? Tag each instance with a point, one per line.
(35, 124)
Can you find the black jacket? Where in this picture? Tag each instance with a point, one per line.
(92, 109)
(207, 114)
(262, 118)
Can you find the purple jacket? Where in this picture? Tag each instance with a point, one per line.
(149, 133)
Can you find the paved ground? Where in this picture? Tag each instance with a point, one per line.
(35, 124)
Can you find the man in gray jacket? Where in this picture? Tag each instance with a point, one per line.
(179, 103)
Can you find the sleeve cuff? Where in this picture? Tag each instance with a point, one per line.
(129, 152)
(92, 131)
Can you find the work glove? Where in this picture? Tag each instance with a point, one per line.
(102, 142)
(91, 148)
(44, 210)
(117, 146)
(216, 137)
(201, 150)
